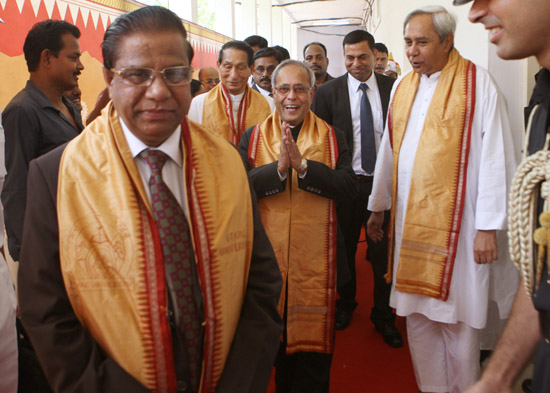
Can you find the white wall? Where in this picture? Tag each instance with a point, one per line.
(333, 43)
(272, 23)
(514, 78)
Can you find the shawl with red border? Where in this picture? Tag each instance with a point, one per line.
(302, 229)
(436, 196)
(111, 257)
(217, 113)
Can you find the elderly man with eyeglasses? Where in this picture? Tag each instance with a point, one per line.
(300, 167)
(145, 266)
(232, 106)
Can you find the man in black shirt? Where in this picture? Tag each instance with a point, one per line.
(39, 118)
(520, 29)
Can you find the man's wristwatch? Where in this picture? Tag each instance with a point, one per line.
(302, 169)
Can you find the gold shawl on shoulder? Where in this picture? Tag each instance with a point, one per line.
(111, 257)
(436, 196)
(302, 229)
(217, 114)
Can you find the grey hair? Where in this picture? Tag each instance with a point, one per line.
(296, 63)
(444, 22)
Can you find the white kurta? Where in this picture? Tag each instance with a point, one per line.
(197, 106)
(491, 166)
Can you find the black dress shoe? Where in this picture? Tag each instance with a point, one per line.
(391, 335)
(342, 319)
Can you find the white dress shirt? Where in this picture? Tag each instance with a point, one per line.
(268, 97)
(172, 171)
(355, 95)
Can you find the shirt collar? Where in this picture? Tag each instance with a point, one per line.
(237, 97)
(432, 78)
(43, 100)
(354, 83)
(263, 91)
(171, 146)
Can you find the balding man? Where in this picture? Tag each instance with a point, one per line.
(444, 165)
(209, 77)
(520, 29)
(301, 168)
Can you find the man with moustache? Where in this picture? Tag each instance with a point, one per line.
(444, 169)
(144, 265)
(357, 103)
(39, 118)
(265, 62)
(518, 30)
(300, 168)
(209, 77)
(232, 106)
(315, 56)
(381, 62)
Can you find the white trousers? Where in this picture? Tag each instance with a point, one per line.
(445, 356)
(8, 335)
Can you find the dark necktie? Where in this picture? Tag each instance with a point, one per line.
(178, 258)
(368, 147)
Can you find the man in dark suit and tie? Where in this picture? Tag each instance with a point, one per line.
(357, 103)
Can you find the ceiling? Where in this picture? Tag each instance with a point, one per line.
(323, 16)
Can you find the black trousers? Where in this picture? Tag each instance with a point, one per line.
(302, 372)
(541, 372)
(352, 217)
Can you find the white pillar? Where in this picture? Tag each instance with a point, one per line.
(185, 9)
(265, 23)
(224, 17)
(246, 21)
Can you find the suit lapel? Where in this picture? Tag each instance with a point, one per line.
(343, 97)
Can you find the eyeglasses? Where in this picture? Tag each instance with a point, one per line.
(173, 76)
(260, 70)
(211, 81)
(298, 89)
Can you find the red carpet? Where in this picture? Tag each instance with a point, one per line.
(362, 362)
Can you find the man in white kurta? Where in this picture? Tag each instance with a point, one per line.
(231, 107)
(444, 334)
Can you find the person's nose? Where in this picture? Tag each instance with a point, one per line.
(478, 11)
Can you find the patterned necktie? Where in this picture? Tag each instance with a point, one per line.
(368, 147)
(178, 258)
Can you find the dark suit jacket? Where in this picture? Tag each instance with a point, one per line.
(337, 184)
(332, 103)
(73, 361)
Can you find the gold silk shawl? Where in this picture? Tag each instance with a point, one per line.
(111, 257)
(302, 229)
(436, 197)
(217, 114)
